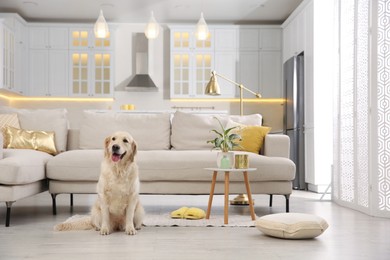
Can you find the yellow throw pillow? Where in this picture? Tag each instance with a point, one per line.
(10, 120)
(36, 140)
(252, 138)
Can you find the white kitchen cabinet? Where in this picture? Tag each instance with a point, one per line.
(249, 71)
(49, 72)
(259, 63)
(254, 39)
(13, 56)
(270, 39)
(294, 36)
(270, 65)
(91, 74)
(83, 38)
(226, 64)
(48, 61)
(7, 44)
(225, 39)
(225, 59)
(258, 72)
(191, 62)
(248, 55)
(91, 63)
(21, 58)
(44, 37)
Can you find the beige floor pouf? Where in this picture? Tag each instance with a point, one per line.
(292, 225)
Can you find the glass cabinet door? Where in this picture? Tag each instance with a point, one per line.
(202, 72)
(181, 73)
(79, 76)
(191, 63)
(79, 39)
(181, 40)
(102, 43)
(84, 38)
(102, 82)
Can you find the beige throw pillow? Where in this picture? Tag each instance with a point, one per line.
(191, 132)
(150, 131)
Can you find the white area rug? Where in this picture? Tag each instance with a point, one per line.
(164, 220)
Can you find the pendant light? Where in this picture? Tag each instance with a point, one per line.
(202, 30)
(101, 27)
(152, 28)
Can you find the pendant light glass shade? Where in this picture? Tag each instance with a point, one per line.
(202, 30)
(101, 27)
(152, 28)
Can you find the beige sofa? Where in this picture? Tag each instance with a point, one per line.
(172, 155)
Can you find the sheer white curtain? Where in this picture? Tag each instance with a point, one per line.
(361, 170)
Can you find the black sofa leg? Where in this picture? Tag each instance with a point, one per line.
(270, 200)
(53, 198)
(287, 202)
(8, 214)
(71, 199)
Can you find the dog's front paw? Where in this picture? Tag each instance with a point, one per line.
(104, 231)
(130, 230)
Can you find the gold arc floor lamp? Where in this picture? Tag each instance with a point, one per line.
(213, 89)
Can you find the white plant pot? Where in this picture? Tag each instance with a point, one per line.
(225, 160)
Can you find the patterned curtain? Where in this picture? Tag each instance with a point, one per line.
(383, 106)
(361, 170)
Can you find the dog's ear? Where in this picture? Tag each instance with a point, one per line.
(106, 143)
(134, 148)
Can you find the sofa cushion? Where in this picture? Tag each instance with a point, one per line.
(189, 165)
(166, 165)
(75, 165)
(192, 131)
(150, 131)
(43, 120)
(22, 166)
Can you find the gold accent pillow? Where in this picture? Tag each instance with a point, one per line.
(10, 120)
(252, 137)
(36, 140)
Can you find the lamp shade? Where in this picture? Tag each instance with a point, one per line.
(212, 87)
(152, 28)
(202, 30)
(101, 27)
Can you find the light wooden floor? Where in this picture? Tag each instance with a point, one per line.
(351, 235)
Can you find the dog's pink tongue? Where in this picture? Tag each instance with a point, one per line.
(116, 157)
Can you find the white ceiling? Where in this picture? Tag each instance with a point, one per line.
(166, 11)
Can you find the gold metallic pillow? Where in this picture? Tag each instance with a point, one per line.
(10, 120)
(36, 140)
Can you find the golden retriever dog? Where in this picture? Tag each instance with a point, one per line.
(118, 206)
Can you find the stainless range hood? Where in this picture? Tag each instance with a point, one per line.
(141, 81)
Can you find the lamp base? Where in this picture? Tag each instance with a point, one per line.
(241, 199)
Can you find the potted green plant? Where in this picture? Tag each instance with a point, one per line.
(225, 141)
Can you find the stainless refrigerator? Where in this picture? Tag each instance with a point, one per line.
(294, 118)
